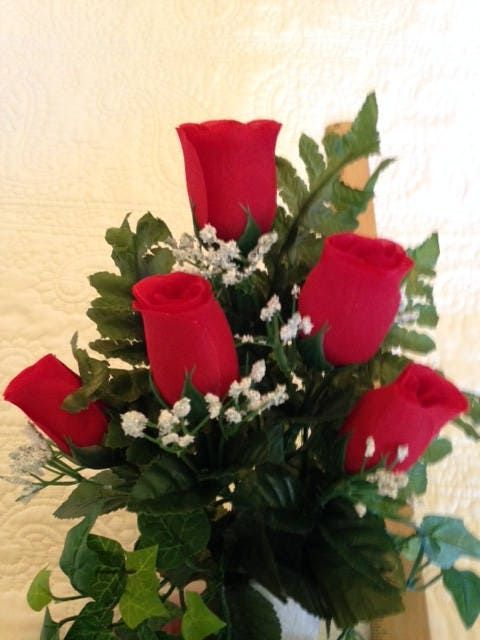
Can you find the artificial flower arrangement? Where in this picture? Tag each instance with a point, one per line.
(256, 406)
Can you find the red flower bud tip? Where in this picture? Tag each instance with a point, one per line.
(354, 291)
(39, 392)
(398, 422)
(186, 332)
(230, 169)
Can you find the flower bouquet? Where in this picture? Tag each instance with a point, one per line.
(256, 405)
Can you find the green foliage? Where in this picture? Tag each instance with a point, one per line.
(140, 599)
(252, 615)
(438, 450)
(469, 423)
(50, 628)
(39, 594)
(178, 537)
(464, 587)
(446, 539)
(409, 340)
(199, 621)
(92, 623)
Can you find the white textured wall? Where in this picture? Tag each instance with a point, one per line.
(91, 91)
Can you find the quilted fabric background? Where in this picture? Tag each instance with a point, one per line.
(91, 92)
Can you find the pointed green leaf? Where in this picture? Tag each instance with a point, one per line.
(250, 235)
(124, 254)
(446, 539)
(77, 561)
(438, 449)
(465, 589)
(311, 349)
(140, 600)
(179, 537)
(112, 287)
(312, 158)
(293, 190)
(50, 629)
(39, 595)
(199, 622)
(409, 340)
(252, 615)
(92, 623)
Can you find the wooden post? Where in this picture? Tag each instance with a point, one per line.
(413, 623)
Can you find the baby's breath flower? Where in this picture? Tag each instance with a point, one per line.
(213, 404)
(295, 291)
(258, 370)
(369, 447)
(170, 438)
(237, 388)
(388, 482)
(361, 509)
(254, 398)
(233, 415)
(272, 307)
(298, 382)
(231, 277)
(208, 234)
(181, 408)
(289, 331)
(133, 423)
(402, 452)
(306, 325)
(167, 421)
(185, 441)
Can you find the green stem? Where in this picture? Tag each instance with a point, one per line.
(429, 583)
(410, 584)
(67, 598)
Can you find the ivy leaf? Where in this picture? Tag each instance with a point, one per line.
(110, 577)
(438, 449)
(465, 589)
(179, 537)
(140, 599)
(446, 539)
(39, 594)
(198, 621)
(77, 561)
(252, 615)
(92, 623)
(293, 190)
(50, 629)
(312, 158)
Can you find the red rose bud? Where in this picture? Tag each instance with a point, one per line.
(186, 332)
(174, 627)
(354, 292)
(230, 168)
(39, 391)
(409, 412)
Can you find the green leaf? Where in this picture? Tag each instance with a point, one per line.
(311, 350)
(179, 537)
(149, 232)
(140, 599)
(312, 158)
(110, 577)
(293, 190)
(438, 449)
(465, 589)
(130, 351)
(115, 325)
(470, 421)
(77, 561)
(96, 456)
(39, 594)
(92, 623)
(124, 254)
(167, 485)
(417, 479)
(446, 539)
(50, 629)
(112, 287)
(94, 374)
(160, 261)
(410, 340)
(361, 140)
(250, 235)
(199, 622)
(426, 255)
(252, 616)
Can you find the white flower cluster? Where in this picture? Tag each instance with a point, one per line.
(406, 318)
(26, 460)
(134, 424)
(213, 256)
(294, 326)
(388, 482)
(272, 307)
(249, 400)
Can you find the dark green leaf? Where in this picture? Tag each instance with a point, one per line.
(312, 158)
(160, 261)
(199, 622)
(438, 449)
(39, 594)
(78, 561)
(465, 589)
(250, 235)
(311, 350)
(50, 629)
(252, 616)
(292, 188)
(115, 325)
(111, 286)
(179, 537)
(96, 456)
(417, 479)
(124, 254)
(140, 600)
(92, 623)
(110, 578)
(149, 232)
(94, 374)
(446, 539)
(127, 350)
